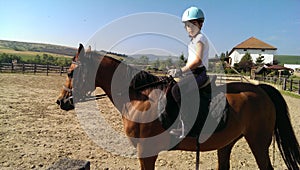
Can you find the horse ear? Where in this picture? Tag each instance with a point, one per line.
(80, 48)
(80, 51)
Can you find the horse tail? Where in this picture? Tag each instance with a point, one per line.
(284, 133)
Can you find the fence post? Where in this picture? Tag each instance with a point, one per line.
(284, 84)
(23, 68)
(61, 70)
(47, 69)
(34, 68)
(12, 66)
(291, 85)
(298, 86)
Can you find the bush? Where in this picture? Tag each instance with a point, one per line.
(8, 58)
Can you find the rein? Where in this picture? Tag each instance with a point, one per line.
(67, 89)
(163, 80)
(70, 97)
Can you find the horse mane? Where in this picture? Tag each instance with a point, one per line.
(140, 78)
(143, 79)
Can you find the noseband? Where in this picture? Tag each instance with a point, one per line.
(69, 90)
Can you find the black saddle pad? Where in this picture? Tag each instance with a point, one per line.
(213, 110)
(212, 116)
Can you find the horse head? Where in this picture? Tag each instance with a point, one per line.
(65, 99)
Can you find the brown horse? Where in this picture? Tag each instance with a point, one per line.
(255, 112)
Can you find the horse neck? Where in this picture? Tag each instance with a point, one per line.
(114, 77)
(104, 75)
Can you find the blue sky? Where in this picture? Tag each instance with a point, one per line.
(227, 23)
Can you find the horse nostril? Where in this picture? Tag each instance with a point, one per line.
(58, 102)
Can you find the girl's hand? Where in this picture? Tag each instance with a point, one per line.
(175, 72)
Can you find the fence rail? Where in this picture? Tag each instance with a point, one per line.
(225, 78)
(285, 83)
(32, 68)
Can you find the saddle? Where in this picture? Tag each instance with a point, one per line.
(213, 108)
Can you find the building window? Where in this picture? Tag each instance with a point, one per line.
(263, 50)
(245, 49)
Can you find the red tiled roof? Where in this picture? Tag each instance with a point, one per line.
(278, 67)
(253, 43)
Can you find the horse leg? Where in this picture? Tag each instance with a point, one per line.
(224, 156)
(148, 163)
(259, 145)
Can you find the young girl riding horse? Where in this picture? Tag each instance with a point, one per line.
(197, 62)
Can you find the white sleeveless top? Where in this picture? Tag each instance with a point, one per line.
(192, 49)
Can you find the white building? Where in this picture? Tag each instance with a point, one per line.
(255, 48)
(292, 66)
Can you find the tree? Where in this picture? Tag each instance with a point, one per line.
(144, 60)
(4, 58)
(162, 66)
(275, 62)
(246, 63)
(156, 63)
(51, 59)
(45, 59)
(260, 60)
(37, 59)
(169, 62)
(181, 62)
(8, 58)
(222, 57)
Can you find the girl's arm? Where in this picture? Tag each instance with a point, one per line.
(198, 59)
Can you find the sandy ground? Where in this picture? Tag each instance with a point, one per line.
(35, 133)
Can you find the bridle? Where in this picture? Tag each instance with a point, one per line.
(70, 76)
(69, 99)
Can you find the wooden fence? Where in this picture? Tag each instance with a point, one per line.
(223, 78)
(32, 68)
(285, 83)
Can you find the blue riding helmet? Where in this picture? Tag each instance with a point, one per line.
(192, 13)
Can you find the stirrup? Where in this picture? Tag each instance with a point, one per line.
(179, 132)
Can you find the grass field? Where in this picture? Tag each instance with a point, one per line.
(31, 55)
(287, 59)
(28, 56)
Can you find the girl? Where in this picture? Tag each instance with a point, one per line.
(197, 62)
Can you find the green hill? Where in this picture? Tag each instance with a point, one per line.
(37, 47)
(287, 59)
(27, 52)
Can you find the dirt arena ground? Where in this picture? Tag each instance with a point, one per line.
(35, 133)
